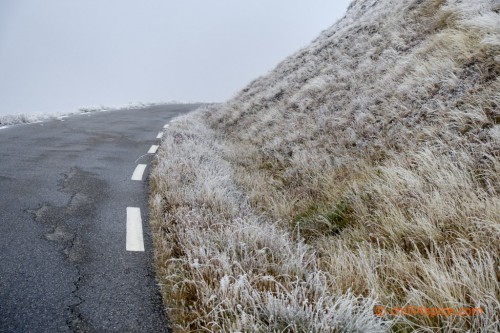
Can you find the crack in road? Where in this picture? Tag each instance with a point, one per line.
(67, 227)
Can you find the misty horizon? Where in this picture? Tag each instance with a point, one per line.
(57, 56)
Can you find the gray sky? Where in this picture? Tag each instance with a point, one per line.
(59, 55)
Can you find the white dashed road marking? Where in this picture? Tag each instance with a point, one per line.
(153, 149)
(135, 240)
(139, 171)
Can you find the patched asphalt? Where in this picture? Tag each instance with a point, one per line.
(64, 188)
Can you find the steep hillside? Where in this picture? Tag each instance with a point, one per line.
(363, 171)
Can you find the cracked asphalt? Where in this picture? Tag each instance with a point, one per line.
(64, 188)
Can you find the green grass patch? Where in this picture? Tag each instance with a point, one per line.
(316, 220)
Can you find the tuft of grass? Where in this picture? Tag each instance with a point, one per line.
(340, 217)
(316, 222)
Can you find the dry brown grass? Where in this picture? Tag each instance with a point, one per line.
(363, 170)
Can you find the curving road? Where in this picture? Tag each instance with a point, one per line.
(70, 250)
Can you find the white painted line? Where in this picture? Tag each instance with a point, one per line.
(138, 172)
(153, 149)
(160, 135)
(135, 240)
(166, 126)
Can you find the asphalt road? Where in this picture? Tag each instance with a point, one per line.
(64, 189)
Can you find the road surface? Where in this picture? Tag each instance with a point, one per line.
(69, 261)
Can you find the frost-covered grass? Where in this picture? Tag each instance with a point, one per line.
(14, 119)
(363, 170)
(224, 267)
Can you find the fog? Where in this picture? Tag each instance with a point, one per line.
(60, 55)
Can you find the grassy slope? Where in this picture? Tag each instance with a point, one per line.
(363, 170)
